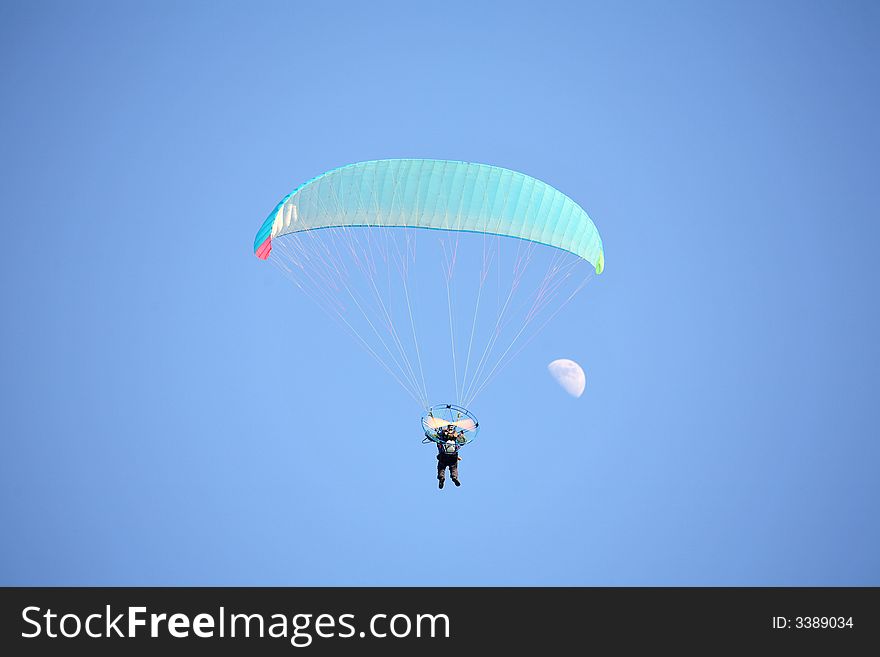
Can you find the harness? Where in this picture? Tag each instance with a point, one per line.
(449, 448)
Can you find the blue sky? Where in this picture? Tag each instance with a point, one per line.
(173, 411)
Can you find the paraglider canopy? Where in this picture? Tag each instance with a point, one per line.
(436, 194)
(441, 418)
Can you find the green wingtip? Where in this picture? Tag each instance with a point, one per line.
(600, 265)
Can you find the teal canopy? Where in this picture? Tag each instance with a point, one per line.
(436, 194)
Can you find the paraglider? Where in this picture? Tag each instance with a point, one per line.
(386, 246)
(450, 427)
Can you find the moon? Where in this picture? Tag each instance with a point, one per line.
(569, 375)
